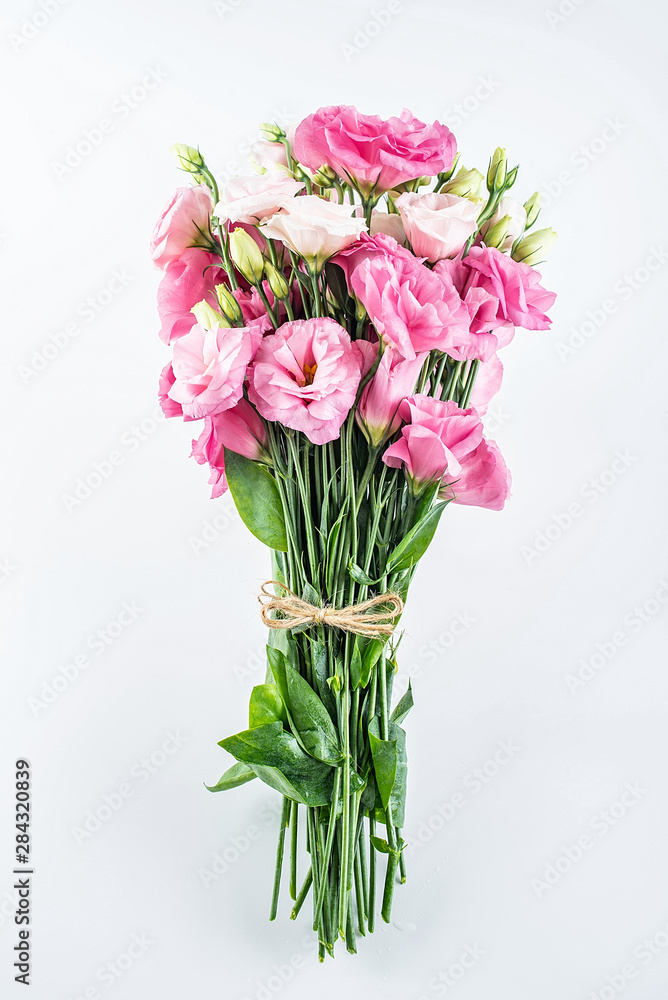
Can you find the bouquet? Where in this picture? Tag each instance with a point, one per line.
(335, 322)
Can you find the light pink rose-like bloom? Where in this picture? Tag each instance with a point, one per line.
(437, 225)
(370, 151)
(484, 480)
(378, 407)
(436, 439)
(240, 429)
(388, 223)
(253, 199)
(522, 299)
(272, 156)
(178, 227)
(306, 376)
(186, 282)
(410, 307)
(267, 155)
(314, 228)
(210, 368)
(487, 384)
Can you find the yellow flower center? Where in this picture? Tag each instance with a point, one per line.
(309, 373)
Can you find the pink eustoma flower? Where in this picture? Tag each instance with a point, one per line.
(522, 299)
(239, 429)
(484, 480)
(253, 199)
(488, 329)
(437, 225)
(394, 379)
(183, 220)
(186, 282)
(373, 153)
(436, 439)
(210, 368)
(314, 228)
(412, 310)
(305, 376)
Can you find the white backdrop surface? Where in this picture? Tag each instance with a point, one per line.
(538, 809)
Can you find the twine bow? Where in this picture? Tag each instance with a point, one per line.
(365, 618)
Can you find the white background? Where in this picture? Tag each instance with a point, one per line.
(546, 87)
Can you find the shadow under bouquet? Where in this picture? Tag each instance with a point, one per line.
(335, 321)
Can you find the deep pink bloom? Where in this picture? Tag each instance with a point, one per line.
(410, 307)
(373, 152)
(210, 368)
(484, 480)
(186, 216)
(436, 439)
(487, 329)
(240, 429)
(186, 282)
(305, 376)
(394, 379)
(379, 245)
(522, 299)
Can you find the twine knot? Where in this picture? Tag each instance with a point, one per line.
(372, 618)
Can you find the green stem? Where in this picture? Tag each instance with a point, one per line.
(327, 853)
(303, 893)
(294, 815)
(285, 815)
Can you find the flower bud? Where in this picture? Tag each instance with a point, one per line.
(466, 184)
(532, 248)
(229, 306)
(189, 159)
(498, 165)
(246, 255)
(360, 311)
(532, 208)
(271, 131)
(207, 316)
(276, 280)
(496, 234)
(324, 177)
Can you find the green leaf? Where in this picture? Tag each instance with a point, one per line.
(359, 576)
(384, 753)
(257, 499)
(356, 665)
(309, 719)
(371, 651)
(277, 758)
(413, 546)
(403, 706)
(398, 797)
(277, 660)
(390, 766)
(236, 775)
(320, 667)
(380, 844)
(266, 705)
(366, 653)
(314, 727)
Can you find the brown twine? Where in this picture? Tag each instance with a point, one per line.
(360, 619)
